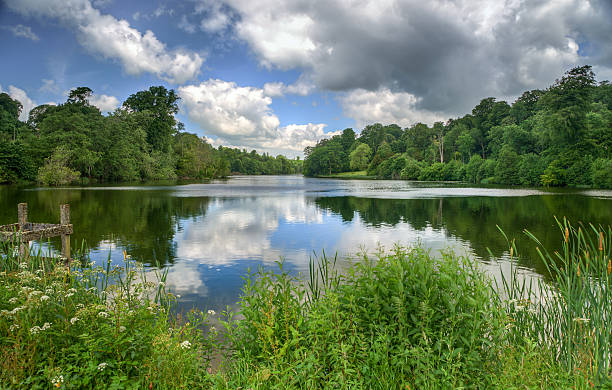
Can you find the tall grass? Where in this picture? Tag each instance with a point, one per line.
(82, 326)
(569, 316)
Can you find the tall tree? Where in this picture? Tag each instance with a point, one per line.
(163, 105)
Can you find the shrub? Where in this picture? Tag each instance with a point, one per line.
(56, 171)
(412, 170)
(601, 173)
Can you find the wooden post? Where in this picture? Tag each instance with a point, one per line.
(65, 220)
(22, 220)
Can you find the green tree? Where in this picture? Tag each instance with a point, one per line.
(162, 104)
(360, 157)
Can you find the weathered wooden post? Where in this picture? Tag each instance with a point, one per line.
(65, 220)
(22, 220)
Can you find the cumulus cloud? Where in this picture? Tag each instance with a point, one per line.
(386, 107)
(448, 54)
(217, 16)
(109, 37)
(277, 89)
(241, 116)
(104, 102)
(21, 95)
(22, 31)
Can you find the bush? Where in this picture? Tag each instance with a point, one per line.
(56, 171)
(412, 170)
(531, 167)
(434, 172)
(472, 170)
(403, 319)
(507, 167)
(601, 173)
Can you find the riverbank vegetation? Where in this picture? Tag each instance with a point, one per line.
(401, 319)
(142, 140)
(561, 136)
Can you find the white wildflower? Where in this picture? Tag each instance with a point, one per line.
(74, 320)
(185, 344)
(44, 298)
(13, 300)
(69, 295)
(103, 314)
(72, 290)
(46, 326)
(14, 327)
(178, 296)
(122, 329)
(49, 291)
(23, 265)
(58, 380)
(36, 293)
(79, 306)
(211, 312)
(35, 329)
(162, 284)
(102, 366)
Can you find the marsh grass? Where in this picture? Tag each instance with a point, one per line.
(570, 316)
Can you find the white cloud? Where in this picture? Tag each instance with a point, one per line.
(241, 116)
(21, 95)
(115, 39)
(386, 107)
(104, 102)
(186, 26)
(277, 89)
(216, 17)
(23, 31)
(448, 54)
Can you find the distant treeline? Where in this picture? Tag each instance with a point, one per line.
(141, 140)
(561, 136)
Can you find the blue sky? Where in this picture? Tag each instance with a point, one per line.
(279, 75)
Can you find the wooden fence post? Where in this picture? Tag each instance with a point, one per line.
(22, 219)
(65, 220)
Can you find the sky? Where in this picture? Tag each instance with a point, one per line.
(279, 75)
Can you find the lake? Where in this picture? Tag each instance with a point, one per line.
(209, 235)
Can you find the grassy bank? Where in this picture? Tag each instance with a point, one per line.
(402, 319)
(362, 175)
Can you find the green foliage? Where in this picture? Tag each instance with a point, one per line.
(507, 167)
(412, 170)
(531, 168)
(400, 319)
(56, 171)
(601, 173)
(473, 169)
(360, 157)
(92, 327)
(561, 130)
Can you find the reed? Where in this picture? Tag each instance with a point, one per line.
(570, 314)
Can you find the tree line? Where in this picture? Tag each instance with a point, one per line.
(141, 140)
(560, 136)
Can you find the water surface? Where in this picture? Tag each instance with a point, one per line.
(209, 235)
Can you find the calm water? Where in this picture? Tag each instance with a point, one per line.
(209, 235)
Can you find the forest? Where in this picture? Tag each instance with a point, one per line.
(141, 140)
(561, 136)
